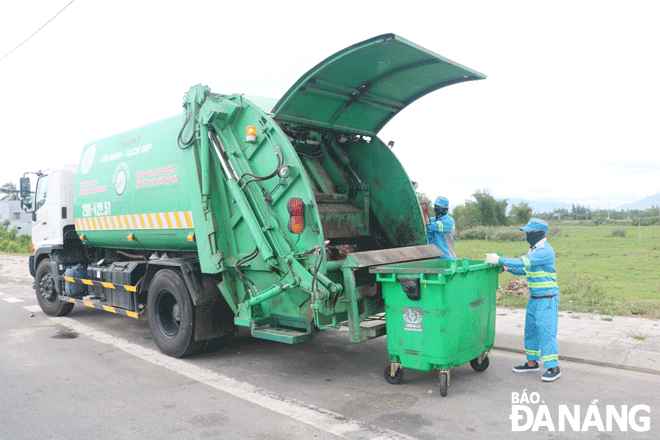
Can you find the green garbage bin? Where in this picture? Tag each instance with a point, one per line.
(439, 314)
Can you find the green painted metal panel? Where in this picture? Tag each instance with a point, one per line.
(359, 89)
(392, 197)
(253, 213)
(138, 184)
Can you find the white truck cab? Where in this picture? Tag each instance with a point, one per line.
(52, 210)
(53, 204)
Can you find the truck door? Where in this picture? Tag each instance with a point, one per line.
(40, 219)
(46, 226)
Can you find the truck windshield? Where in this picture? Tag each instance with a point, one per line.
(40, 196)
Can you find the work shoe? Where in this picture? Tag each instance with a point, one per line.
(526, 367)
(551, 375)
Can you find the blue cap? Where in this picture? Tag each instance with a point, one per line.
(441, 201)
(534, 224)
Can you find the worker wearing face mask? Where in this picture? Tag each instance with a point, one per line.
(440, 230)
(542, 307)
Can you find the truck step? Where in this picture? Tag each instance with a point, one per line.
(373, 329)
(279, 334)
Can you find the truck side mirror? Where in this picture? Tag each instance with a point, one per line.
(25, 187)
(26, 204)
(26, 197)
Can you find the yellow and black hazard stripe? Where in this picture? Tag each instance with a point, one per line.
(94, 305)
(100, 283)
(156, 220)
(101, 306)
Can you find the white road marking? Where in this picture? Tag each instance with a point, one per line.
(320, 418)
(33, 309)
(12, 300)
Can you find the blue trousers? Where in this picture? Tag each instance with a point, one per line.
(541, 331)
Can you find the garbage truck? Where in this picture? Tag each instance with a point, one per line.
(244, 211)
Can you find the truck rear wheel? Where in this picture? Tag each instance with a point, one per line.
(171, 315)
(44, 287)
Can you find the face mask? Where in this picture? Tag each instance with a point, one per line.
(534, 237)
(441, 210)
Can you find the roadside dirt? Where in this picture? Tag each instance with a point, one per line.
(518, 287)
(14, 270)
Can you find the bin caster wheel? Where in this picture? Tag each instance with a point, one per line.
(474, 363)
(444, 383)
(396, 379)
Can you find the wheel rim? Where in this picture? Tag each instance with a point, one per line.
(168, 314)
(47, 288)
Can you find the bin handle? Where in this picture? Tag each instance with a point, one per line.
(465, 266)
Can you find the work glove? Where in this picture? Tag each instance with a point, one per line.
(492, 259)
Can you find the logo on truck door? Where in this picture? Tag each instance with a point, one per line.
(120, 178)
(120, 182)
(88, 159)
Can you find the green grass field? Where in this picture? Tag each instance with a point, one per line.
(598, 269)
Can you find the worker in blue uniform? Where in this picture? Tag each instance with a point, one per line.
(542, 307)
(440, 230)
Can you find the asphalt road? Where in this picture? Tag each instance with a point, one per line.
(95, 375)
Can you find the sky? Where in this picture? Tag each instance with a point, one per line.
(569, 111)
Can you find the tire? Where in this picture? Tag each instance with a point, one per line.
(398, 376)
(171, 314)
(44, 287)
(474, 363)
(444, 384)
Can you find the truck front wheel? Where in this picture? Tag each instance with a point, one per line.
(171, 315)
(44, 286)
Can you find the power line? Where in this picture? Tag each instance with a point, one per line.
(35, 32)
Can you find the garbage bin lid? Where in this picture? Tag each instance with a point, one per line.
(391, 256)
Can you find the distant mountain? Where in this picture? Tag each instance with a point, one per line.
(537, 206)
(645, 203)
(543, 207)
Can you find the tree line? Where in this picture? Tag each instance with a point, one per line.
(484, 210)
(643, 217)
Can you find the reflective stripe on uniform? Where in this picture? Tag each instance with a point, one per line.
(541, 273)
(542, 284)
(541, 279)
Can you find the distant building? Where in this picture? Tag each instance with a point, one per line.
(17, 217)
